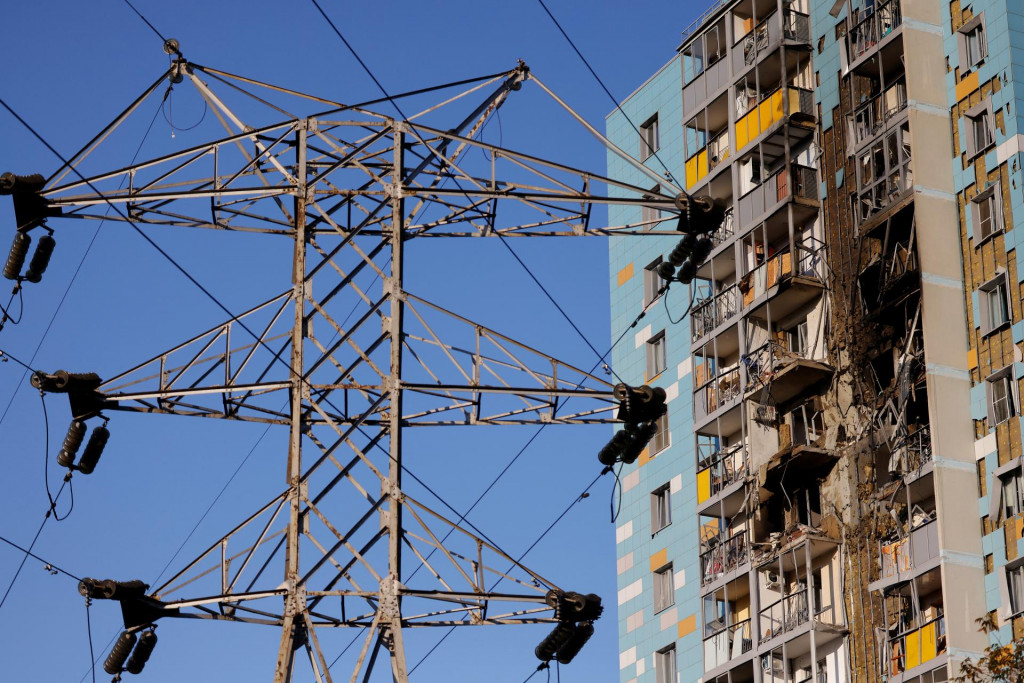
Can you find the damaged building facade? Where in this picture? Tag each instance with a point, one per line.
(836, 493)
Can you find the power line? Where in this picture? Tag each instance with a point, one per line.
(47, 563)
(146, 21)
(605, 88)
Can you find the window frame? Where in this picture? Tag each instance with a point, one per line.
(657, 355)
(649, 215)
(1015, 577)
(665, 670)
(976, 29)
(650, 137)
(993, 197)
(663, 588)
(661, 508)
(1005, 380)
(972, 117)
(662, 436)
(996, 286)
(652, 281)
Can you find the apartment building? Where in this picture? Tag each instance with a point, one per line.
(839, 397)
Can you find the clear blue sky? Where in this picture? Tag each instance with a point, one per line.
(68, 68)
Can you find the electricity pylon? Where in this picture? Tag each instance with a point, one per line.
(347, 357)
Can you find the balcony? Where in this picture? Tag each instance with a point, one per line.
(887, 278)
(800, 182)
(787, 372)
(707, 159)
(912, 453)
(771, 110)
(727, 644)
(915, 647)
(721, 390)
(713, 310)
(762, 39)
(873, 28)
(719, 470)
(902, 558)
(784, 615)
(873, 115)
(777, 288)
(722, 557)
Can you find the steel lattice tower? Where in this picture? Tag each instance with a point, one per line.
(350, 188)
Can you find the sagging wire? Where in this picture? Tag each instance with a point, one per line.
(616, 501)
(46, 470)
(689, 307)
(167, 104)
(7, 317)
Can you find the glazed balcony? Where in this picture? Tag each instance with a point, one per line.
(779, 287)
(784, 615)
(771, 111)
(707, 158)
(903, 558)
(720, 391)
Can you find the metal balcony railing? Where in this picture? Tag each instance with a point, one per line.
(722, 389)
(725, 230)
(725, 556)
(719, 469)
(726, 643)
(871, 117)
(872, 27)
(764, 361)
(784, 615)
(711, 311)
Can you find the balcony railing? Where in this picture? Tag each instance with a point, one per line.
(722, 389)
(725, 230)
(751, 45)
(799, 181)
(913, 453)
(711, 311)
(717, 470)
(764, 361)
(726, 644)
(871, 117)
(915, 647)
(903, 555)
(784, 615)
(872, 28)
(723, 557)
(707, 158)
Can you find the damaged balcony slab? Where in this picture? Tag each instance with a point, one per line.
(796, 378)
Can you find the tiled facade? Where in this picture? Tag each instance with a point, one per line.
(847, 382)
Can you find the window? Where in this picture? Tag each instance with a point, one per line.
(650, 215)
(664, 589)
(656, 358)
(649, 143)
(994, 304)
(1012, 492)
(1015, 586)
(1002, 403)
(980, 125)
(986, 213)
(652, 281)
(665, 665)
(661, 439)
(972, 43)
(661, 509)
(796, 339)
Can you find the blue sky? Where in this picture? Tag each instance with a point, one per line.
(69, 67)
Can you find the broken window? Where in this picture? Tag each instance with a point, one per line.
(980, 125)
(652, 281)
(994, 303)
(986, 212)
(971, 42)
(656, 355)
(1015, 587)
(1002, 403)
(661, 508)
(664, 590)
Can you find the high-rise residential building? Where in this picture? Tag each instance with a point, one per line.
(836, 491)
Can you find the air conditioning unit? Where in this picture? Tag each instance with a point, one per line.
(771, 580)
